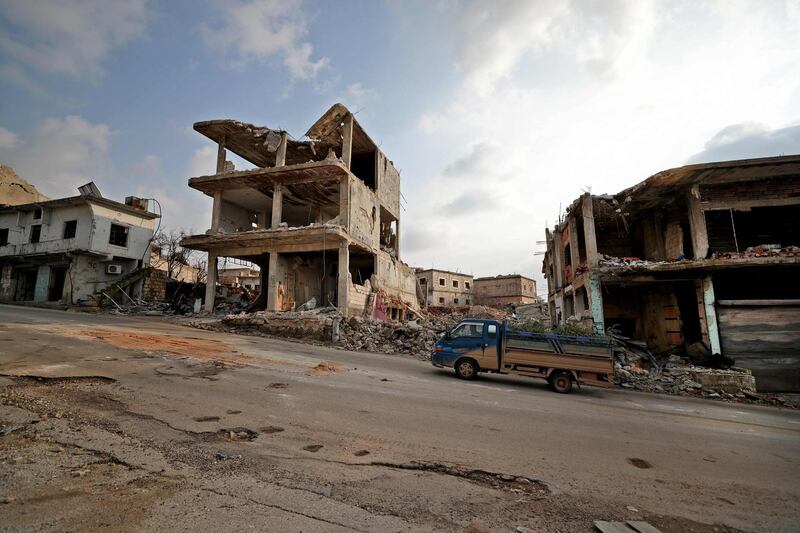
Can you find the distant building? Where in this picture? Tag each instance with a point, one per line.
(69, 249)
(505, 290)
(240, 277)
(445, 289)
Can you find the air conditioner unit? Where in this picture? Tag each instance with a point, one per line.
(113, 269)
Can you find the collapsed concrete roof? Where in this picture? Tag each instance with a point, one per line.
(259, 144)
(654, 190)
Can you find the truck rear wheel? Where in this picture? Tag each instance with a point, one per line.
(466, 369)
(560, 381)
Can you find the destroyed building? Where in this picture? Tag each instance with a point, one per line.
(443, 288)
(70, 249)
(510, 289)
(701, 259)
(320, 217)
(240, 278)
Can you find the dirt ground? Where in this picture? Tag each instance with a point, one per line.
(145, 427)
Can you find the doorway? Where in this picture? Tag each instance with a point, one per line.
(58, 276)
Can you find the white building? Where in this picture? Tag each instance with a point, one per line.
(69, 249)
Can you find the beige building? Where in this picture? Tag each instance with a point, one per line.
(320, 217)
(240, 277)
(444, 288)
(505, 290)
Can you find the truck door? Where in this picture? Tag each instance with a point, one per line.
(468, 339)
(491, 346)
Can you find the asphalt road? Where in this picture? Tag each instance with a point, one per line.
(364, 441)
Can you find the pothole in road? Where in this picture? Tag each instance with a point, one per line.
(496, 480)
(278, 385)
(639, 463)
(361, 453)
(271, 429)
(314, 448)
(238, 434)
(206, 418)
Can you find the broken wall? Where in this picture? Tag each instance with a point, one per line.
(388, 185)
(397, 279)
(234, 218)
(364, 222)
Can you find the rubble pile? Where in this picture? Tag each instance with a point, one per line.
(677, 375)
(762, 250)
(415, 337)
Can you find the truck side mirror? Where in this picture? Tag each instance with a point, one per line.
(447, 335)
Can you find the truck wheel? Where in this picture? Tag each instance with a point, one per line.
(466, 369)
(561, 382)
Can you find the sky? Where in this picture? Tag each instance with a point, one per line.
(498, 114)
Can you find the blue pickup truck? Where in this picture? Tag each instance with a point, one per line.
(475, 345)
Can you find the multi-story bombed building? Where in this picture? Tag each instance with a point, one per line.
(698, 258)
(443, 288)
(320, 216)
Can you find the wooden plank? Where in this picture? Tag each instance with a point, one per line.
(642, 527)
(612, 527)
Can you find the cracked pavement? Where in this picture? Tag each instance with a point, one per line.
(141, 424)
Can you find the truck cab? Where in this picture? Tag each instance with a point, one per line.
(478, 340)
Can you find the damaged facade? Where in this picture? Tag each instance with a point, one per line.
(240, 278)
(700, 260)
(69, 249)
(320, 217)
(443, 288)
(511, 289)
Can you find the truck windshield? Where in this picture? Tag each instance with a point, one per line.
(467, 330)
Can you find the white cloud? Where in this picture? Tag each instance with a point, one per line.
(149, 166)
(556, 98)
(62, 154)
(203, 162)
(749, 140)
(262, 29)
(69, 36)
(8, 139)
(601, 36)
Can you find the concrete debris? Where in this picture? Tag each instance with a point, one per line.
(676, 375)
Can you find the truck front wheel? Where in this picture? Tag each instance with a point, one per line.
(466, 369)
(560, 381)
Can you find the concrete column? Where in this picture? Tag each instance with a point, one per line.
(558, 258)
(280, 156)
(273, 302)
(216, 212)
(595, 289)
(42, 287)
(344, 201)
(343, 281)
(397, 243)
(347, 141)
(211, 281)
(277, 205)
(709, 301)
(573, 244)
(221, 156)
(697, 224)
(589, 235)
